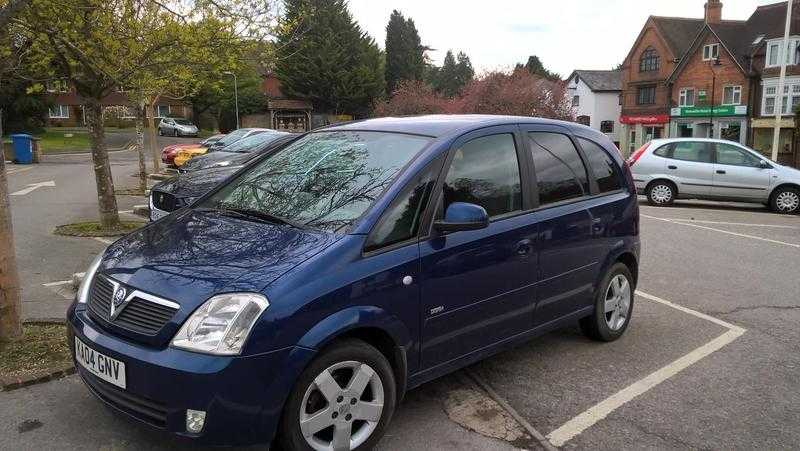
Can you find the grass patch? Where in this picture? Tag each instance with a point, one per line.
(58, 141)
(93, 228)
(42, 348)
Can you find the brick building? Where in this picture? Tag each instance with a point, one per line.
(713, 78)
(66, 109)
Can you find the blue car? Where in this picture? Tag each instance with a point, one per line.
(298, 301)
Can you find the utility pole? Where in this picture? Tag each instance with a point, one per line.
(784, 56)
(235, 95)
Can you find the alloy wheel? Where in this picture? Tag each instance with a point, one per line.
(661, 194)
(618, 302)
(342, 407)
(787, 201)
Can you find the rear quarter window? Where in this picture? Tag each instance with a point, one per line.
(603, 167)
(663, 151)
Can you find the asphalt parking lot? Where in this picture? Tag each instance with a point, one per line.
(710, 360)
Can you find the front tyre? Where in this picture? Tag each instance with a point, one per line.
(613, 306)
(344, 400)
(786, 201)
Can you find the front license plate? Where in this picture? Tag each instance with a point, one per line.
(101, 365)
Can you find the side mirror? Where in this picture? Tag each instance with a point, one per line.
(463, 216)
(763, 164)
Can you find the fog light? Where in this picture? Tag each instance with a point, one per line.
(195, 420)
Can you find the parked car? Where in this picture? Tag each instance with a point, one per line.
(187, 154)
(300, 299)
(237, 153)
(175, 126)
(179, 191)
(692, 168)
(168, 153)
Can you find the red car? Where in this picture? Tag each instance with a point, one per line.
(168, 153)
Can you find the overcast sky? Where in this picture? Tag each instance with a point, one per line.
(565, 34)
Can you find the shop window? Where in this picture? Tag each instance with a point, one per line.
(646, 95)
(732, 95)
(607, 126)
(731, 132)
(651, 133)
(686, 97)
(650, 61)
(710, 52)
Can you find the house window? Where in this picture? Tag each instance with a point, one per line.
(162, 110)
(732, 95)
(57, 86)
(646, 95)
(650, 60)
(59, 112)
(686, 97)
(790, 100)
(710, 52)
(576, 101)
(584, 120)
(769, 106)
(774, 52)
(607, 126)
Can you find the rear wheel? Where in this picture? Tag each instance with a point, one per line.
(613, 306)
(344, 400)
(661, 193)
(786, 200)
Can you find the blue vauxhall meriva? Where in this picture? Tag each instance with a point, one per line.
(298, 301)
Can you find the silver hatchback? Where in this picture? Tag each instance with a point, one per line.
(692, 168)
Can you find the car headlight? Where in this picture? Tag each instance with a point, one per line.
(221, 325)
(88, 276)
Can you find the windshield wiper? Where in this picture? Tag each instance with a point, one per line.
(249, 213)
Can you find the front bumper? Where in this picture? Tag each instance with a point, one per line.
(242, 396)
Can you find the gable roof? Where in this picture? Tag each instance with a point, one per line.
(678, 32)
(600, 80)
(770, 20)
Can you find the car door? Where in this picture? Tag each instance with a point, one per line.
(691, 167)
(478, 287)
(568, 257)
(738, 174)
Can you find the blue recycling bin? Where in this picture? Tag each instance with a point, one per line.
(23, 148)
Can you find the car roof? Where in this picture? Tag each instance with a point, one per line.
(707, 140)
(437, 125)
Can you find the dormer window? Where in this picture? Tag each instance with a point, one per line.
(649, 61)
(710, 52)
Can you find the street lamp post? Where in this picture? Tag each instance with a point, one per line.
(235, 95)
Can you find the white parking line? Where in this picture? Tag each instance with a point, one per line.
(55, 284)
(16, 170)
(742, 235)
(103, 240)
(744, 224)
(580, 423)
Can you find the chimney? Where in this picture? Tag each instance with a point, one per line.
(713, 11)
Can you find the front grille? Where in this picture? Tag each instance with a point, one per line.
(139, 315)
(145, 409)
(165, 201)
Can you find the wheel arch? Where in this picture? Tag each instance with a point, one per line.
(663, 179)
(371, 324)
(782, 185)
(620, 254)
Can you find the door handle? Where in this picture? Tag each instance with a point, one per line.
(597, 225)
(721, 172)
(672, 167)
(524, 247)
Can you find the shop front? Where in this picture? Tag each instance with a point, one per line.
(638, 130)
(727, 122)
(763, 134)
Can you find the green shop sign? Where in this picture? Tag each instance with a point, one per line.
(705, 111)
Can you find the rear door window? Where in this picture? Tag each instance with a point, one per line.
(691, 151)
(603, 166)
(485, 171)
(560, 172)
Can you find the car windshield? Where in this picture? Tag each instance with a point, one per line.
(252, 143)
(183, 122)
(323, 181)
(232, 137)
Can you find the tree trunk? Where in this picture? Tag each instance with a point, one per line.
(10, 291)
(151, 130)
(140, 147)
(109, 217)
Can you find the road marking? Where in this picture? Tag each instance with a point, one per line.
(601, 410)
(16, 170)
(742, 235)
(103, 240)
(55, 284)
(745, 224)
(34, 186)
